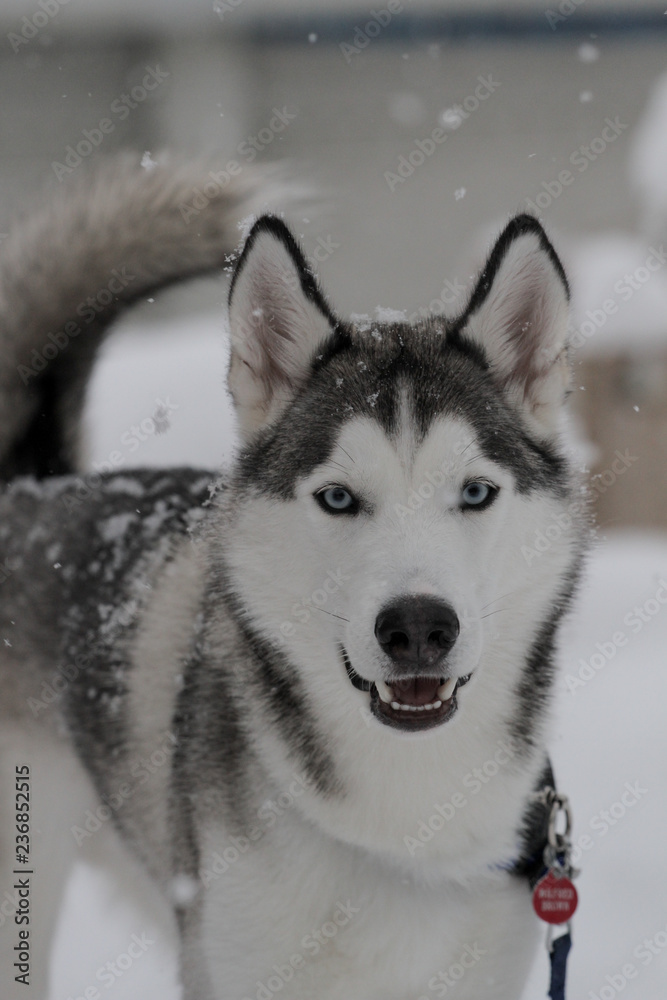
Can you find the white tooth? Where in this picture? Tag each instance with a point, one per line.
(420, 708)
(427, 708)
(395, 706)
(446, 690)
(436, 704)
(385, 692)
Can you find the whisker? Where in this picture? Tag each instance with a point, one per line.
(337, 465)
(314, 607)
(496, 599)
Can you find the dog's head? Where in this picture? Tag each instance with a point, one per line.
(404, 535)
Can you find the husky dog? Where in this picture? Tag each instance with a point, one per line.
(339, 656)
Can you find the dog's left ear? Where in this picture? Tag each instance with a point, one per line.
(518, 314)
(278, 320)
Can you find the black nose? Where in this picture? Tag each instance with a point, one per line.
(417, 632)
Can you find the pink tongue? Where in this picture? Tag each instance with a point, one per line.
(416, 690)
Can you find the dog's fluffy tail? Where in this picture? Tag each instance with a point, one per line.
(106, 240)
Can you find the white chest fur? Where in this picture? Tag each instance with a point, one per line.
(301, 916)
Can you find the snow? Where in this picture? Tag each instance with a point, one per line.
(619, 300)
(147, 161)
(113, 529)
(361, 320)
(588, 53)
(648, 159)
(177, 367)
(385, 314)
(452, 118)
(619, 280)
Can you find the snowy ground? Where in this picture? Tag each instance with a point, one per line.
(609, 736)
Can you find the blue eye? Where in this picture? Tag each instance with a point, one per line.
(478, 495)
(337, 500)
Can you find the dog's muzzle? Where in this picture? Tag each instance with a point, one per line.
(416, 633)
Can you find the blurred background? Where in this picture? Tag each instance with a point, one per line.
(418, 127)
(524, 93)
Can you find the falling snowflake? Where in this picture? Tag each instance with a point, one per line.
(183, 889)
(406, 108)
(588, 53)
(147, 162)
(452, 118)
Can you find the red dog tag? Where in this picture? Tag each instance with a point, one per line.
(554, 899)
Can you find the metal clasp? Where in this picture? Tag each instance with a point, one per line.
(558, 851)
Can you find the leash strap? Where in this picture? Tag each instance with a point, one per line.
(559, 950)
(546, 851)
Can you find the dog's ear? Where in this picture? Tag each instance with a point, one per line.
(278, 320)
(518, 314)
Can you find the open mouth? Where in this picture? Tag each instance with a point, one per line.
(412, 704)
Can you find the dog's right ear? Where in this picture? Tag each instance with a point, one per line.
(279, 321)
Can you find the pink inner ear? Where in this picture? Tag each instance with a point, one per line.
(524, 326)
(277, 325)
(529, 360)
(521, 324)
